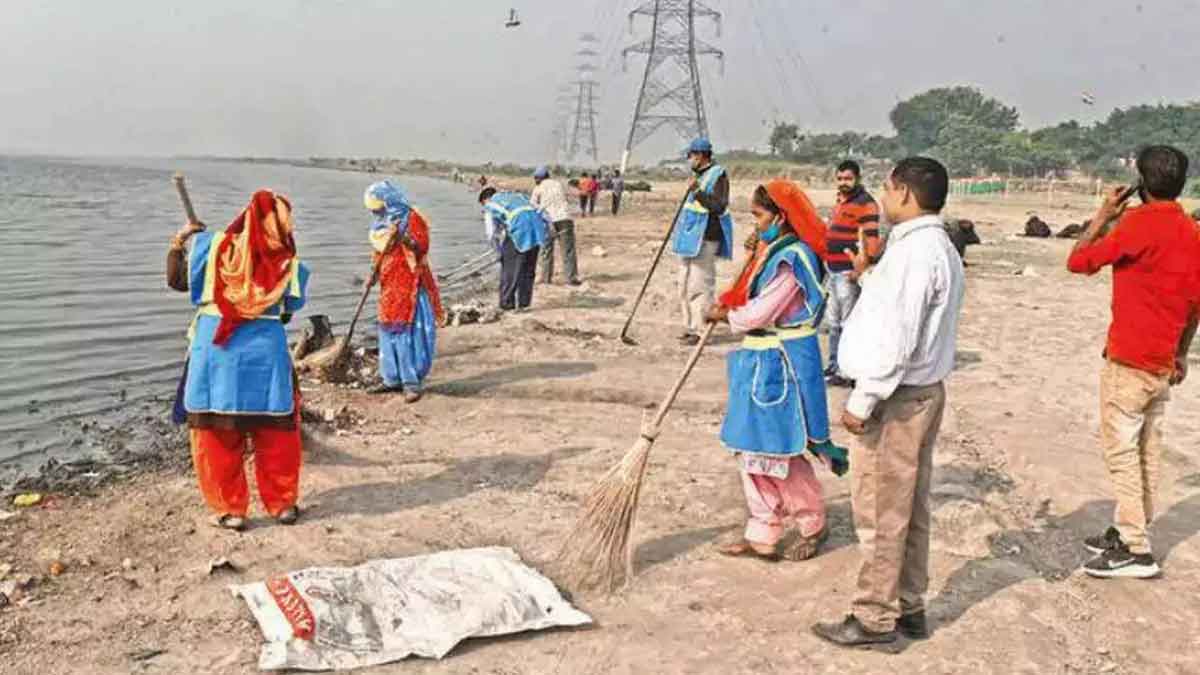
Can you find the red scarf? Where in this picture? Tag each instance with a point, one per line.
(254, 262)
(403, 274)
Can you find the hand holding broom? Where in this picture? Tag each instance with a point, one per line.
(599, 551)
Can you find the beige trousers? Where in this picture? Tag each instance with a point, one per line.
(698, 285)
(1132, 407)
(891, 467)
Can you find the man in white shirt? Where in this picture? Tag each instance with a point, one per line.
(898, 346)
(550, 198)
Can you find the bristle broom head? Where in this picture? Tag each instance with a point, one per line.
(598, 553)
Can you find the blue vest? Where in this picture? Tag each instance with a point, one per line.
(809, 273)
(252, 372)
(520, 221)
(693, 222)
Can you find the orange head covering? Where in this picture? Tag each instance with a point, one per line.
(254, 262)
(801, 217)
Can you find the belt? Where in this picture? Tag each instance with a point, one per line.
(764, 339)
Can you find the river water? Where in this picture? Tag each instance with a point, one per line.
(88, 327)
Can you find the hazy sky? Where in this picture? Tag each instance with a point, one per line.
(445, 79)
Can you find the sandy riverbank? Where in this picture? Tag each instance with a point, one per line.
(522, 415)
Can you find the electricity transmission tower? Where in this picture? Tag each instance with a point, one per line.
(670, 94)
(583, 133)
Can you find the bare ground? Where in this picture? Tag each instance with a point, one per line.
(523, 415)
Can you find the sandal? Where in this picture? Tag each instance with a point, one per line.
(806, 547)
(747, 549)
(229, 521)
(289, 516)
(412, 396)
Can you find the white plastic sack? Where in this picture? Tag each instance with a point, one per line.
(334, 618)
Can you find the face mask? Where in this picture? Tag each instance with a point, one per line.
(772, 232)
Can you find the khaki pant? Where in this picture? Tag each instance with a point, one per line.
(891, 467)
(1132, 406)
(698, 285)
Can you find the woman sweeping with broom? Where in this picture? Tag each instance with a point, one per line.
(239, 387)
(410, 307)
(777, 406)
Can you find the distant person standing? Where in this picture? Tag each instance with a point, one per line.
(899, 347)
(703, 233)
(618, 187)
(517, 231)
(1155, 255)
(855, 212)
(550, 198)
(584, 186)
(593, 194)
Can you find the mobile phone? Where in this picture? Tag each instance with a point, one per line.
(1130, 191)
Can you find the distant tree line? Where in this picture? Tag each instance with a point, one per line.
(974, 134)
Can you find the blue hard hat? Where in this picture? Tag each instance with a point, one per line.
(700, 145)
(541, 172)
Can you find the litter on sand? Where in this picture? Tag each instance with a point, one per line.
(337, 618)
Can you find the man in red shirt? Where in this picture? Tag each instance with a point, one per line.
(1154, 251)
(855, 215)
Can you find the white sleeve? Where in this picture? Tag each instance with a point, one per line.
(884, 330)
(489, 225)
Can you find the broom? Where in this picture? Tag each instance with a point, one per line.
(650, 272)
(331, 362)
(599, 552)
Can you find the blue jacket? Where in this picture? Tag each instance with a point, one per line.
(516, 219)
(693, 221)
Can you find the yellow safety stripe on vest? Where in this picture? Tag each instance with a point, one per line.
(775, 338)
(210, 267)
(518, 211)
(709, 178)
(808, 266)
(211, 309)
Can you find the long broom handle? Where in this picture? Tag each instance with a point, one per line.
(691, 363)
(467, 264)
(184, 199)
(362, 301)
(683, 376)
(650, 272)
(471, 268)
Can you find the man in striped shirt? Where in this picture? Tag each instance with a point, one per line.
(856, 212)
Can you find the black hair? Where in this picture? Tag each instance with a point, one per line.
(763, 200)
(851, 166)
(926, 178)
(486, 194)
(1163, 170)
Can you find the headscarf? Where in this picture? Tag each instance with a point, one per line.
(254, 262)
(390, 199)
(802, 220)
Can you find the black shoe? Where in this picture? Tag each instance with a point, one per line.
(384, 389)
(1103, 542)
(830, 370)
(689, 340)
(913, 626)
(1119, 562)
(851, 633)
